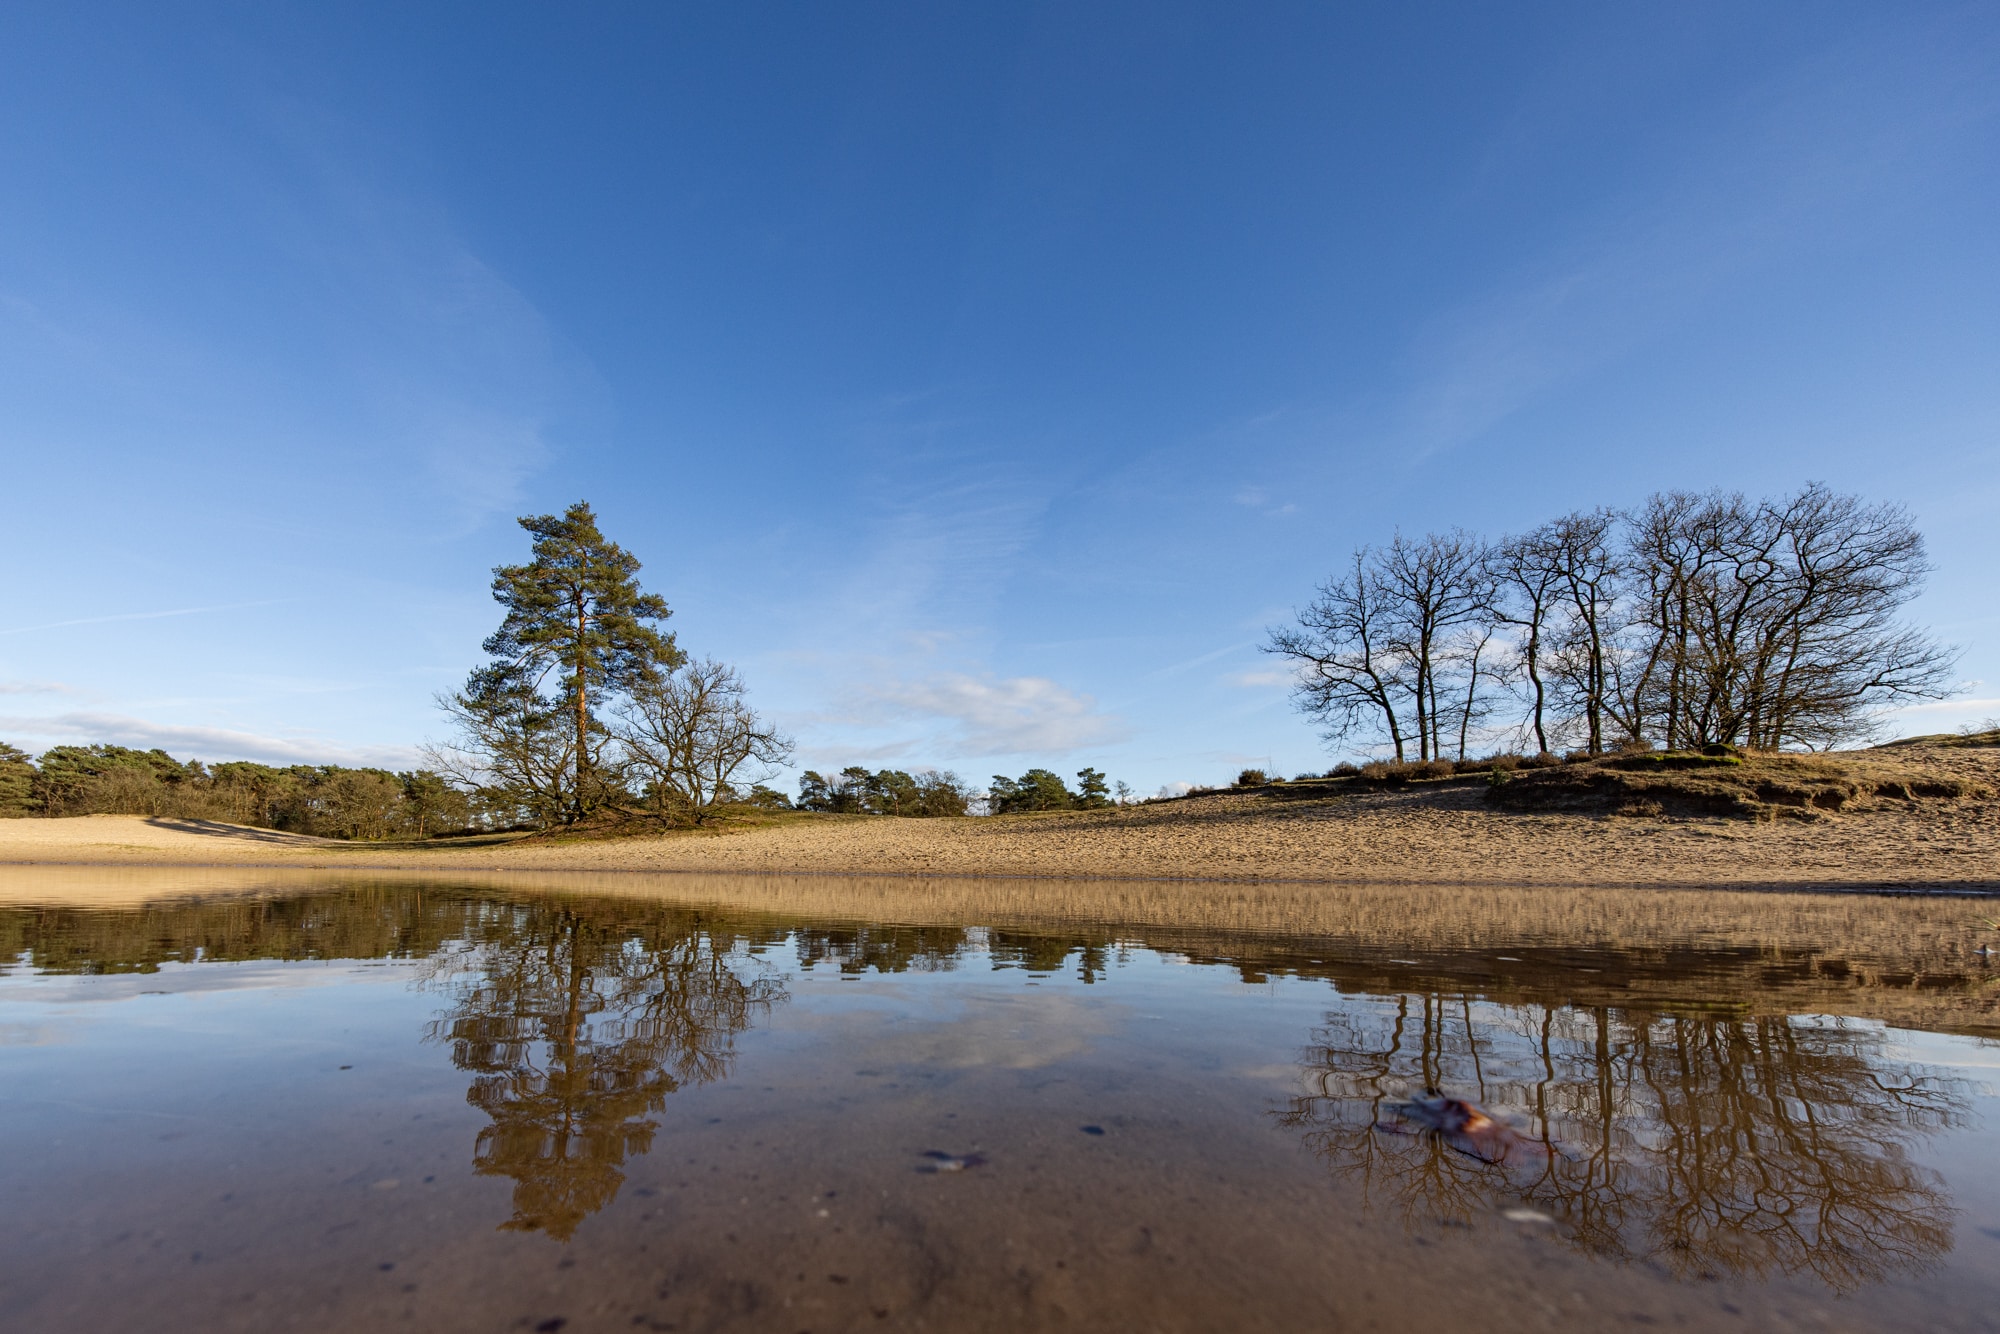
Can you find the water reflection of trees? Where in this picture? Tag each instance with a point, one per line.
(937, 949)
(883, 949)
(1692, 1135)
(1700, 1142)
(577, 1026)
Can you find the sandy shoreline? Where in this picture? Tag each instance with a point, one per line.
(1416, 836)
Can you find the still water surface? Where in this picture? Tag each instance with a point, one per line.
(378, 1104)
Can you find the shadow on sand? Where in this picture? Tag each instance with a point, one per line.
(244, 833)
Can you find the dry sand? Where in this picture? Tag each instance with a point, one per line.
(1421, 835)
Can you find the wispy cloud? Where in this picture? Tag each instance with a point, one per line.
(1256, 497)
(1943, 715)
(195, 742)
(970, 716)
(1947, 706)
(1754, 185)
(36, 688)
(839, 757)
(139, 616)
(1186, 664)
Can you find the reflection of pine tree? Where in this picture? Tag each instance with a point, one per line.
(578, 1027)
(1700, 1142)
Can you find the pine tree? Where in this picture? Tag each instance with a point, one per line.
(576, 610)
(17, 781)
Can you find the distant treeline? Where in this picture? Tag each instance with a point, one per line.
(928, 792)
(856, 791)
(323, 799)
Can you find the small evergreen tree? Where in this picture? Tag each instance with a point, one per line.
(17, 782)
(432, 806)
(1035, 790)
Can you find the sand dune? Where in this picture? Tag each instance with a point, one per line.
(1420, 835)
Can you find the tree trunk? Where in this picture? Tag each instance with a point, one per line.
(1535, 679)
(582, 709)
(1471, 692)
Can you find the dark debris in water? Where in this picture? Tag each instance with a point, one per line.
(1463, 1126)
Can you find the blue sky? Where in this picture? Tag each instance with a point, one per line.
(982, 380)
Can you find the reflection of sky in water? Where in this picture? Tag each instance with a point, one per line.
(552, 1044)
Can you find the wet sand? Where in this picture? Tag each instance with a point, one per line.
(1421, 835)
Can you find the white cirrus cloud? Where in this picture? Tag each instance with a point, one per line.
(204, 743)
(1945, 706)
(980, 716)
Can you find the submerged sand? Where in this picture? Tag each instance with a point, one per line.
(1420, 835)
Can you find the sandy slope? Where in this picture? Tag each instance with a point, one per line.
(1421, 835)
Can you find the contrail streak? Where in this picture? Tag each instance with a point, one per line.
(140, 616)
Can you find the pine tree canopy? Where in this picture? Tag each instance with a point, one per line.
(578, 604)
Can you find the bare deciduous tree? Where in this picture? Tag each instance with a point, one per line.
(691, 735)
(1434, 587)
(1527, 586)
(1344, 649)
(1774, 624)
(512, 745)
(1376, 647)
(1583, 549)
(1471, 655)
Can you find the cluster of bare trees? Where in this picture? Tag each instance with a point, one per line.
(692, 740)
(1691, 620)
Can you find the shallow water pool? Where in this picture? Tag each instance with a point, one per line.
(696, 1104)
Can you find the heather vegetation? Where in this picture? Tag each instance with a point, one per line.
(1717, 780)
(1723, 781)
